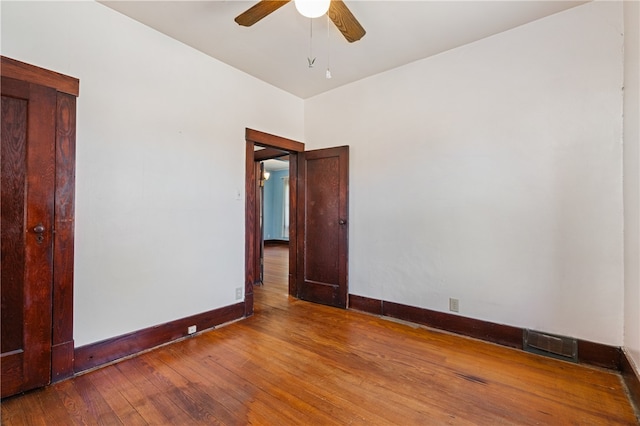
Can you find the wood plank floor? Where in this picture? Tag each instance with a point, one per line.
(298, 363)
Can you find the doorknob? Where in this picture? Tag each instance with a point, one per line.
(342, 222)
(39, 230)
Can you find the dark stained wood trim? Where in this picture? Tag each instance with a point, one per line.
(298, 243)
(502, 334)
(269, 153)
(26, 72)
(257, 277)
(248, 303)
(63, 246)
(100, 353)
(62, 361)
(276, 242)
(293, 220)
(632, 380)
(600, 355)
(365, 304)
(251, 222)
(590, 353)
(255, 138)
(273, 141)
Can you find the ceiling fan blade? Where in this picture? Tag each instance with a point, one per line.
(345, 21)
(259, 11)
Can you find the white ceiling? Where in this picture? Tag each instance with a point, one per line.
(275, 165)
(276, 48)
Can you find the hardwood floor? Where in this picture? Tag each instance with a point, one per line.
(298, 363)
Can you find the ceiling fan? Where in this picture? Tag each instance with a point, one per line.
(338, 13)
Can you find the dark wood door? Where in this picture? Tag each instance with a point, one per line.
(28, 181)
(322, 226)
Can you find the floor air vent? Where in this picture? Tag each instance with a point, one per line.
(559, 347)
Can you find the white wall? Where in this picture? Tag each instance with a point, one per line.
(492, 173)
(160, 157)
(632, 181)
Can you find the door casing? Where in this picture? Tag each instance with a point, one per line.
(274, 147)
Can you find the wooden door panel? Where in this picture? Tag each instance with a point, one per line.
(28, 182)
(322, 217)
(322, 226)
(14, 135)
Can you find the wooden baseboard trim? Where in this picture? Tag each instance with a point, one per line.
(595, 354)
(276, 242)
(62, 361)
(99, 353)
(365, 304)
(600, 355)
(632, 380)
(483, 330)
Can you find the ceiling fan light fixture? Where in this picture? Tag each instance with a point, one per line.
(312, 8)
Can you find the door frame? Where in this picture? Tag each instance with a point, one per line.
(275, 146)
(68, 89)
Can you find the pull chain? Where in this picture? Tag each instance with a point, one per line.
(311, 59)
(328, 73)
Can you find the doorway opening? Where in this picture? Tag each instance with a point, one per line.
(260, 148)
(274, 220)
(318, 219)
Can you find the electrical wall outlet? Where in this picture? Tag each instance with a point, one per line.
(238, 293)
(191, 329)
(454, 305)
